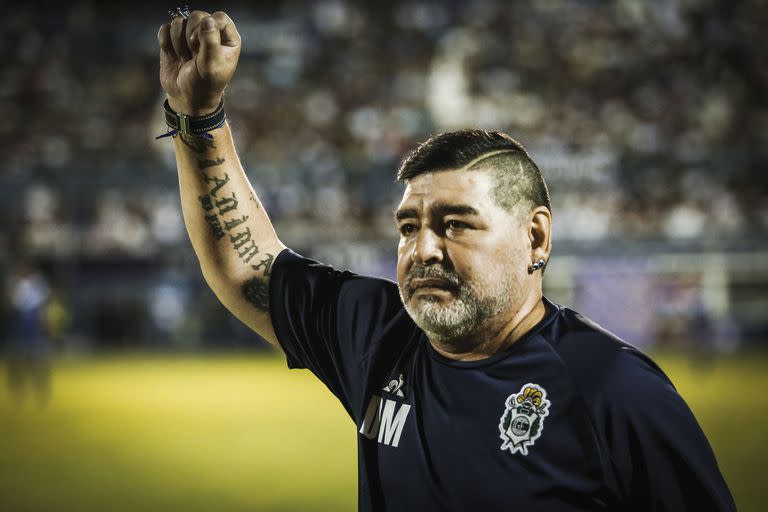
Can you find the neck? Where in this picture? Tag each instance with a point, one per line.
(497, 335)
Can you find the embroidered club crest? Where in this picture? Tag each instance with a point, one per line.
(523, 420)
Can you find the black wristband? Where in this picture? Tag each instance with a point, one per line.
(201, 125)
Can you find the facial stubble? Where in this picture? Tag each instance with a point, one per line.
(466, 314)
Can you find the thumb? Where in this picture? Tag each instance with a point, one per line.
(211, 54)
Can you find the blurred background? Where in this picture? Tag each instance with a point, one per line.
(130, 387)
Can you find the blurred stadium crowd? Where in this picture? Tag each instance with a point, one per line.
(649, 120)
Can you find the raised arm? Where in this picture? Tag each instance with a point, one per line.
(231, 233)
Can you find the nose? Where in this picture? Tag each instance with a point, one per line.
(428, 248)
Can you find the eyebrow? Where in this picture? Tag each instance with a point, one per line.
(438, 210)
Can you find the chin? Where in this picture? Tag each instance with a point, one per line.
(438, 320)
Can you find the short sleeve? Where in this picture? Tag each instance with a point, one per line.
(661, 458)
(327, 321)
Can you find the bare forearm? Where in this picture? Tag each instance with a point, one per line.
(231, 233)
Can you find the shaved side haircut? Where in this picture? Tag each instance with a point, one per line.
(519, 184)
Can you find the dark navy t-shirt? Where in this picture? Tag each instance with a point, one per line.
(568, 418)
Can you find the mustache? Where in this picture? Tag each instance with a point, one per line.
(432, 272)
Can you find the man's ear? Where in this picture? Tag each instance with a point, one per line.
(540, 233)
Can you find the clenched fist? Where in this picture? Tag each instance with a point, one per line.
(198, 57)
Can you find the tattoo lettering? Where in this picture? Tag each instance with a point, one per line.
(220, 182)
(205, 201)
(205, 164)
(245, 247)
(213, 220)
(240, 239)
(226, 204)
(232, 224)
(256, 291)
(266, 264)
(196, 143)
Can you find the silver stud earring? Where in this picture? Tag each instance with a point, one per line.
(536, 266)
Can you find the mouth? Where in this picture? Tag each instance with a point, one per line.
(432, 285)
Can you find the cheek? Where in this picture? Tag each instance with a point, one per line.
(487, 268)
(402, 267)
(472, 267)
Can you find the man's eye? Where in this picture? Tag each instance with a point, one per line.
(455, 225)
(407, 229)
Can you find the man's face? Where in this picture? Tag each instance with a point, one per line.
(462, 260)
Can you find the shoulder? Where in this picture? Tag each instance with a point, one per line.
(291, 268)
(605, 369)
(652, 448)
(623, 390)
(354, 309)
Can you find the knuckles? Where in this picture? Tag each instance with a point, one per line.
(181, 39)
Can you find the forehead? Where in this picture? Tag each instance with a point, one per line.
(452, 186)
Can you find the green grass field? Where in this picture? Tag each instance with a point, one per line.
(245, 433)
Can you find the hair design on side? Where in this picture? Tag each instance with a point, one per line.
(519, 183)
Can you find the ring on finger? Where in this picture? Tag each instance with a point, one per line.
(182, 11)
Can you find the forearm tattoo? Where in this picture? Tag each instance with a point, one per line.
(211, 218)
(217, 182)
(205, 164)
(221, 212)
(266, 264)
(196, 143)
(256, 291)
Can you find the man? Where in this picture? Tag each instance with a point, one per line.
(29, 347)
(468, 387)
